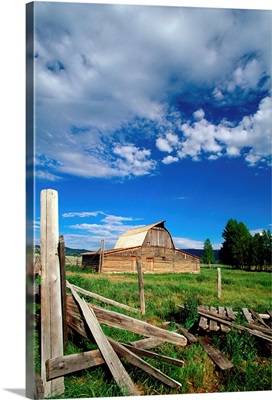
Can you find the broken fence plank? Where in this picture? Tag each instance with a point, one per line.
(121, 321)
(203, 322)
(258, 318)
(239, 327)
(248, 316)
(128, 355)
(64, 365)
(223, 327)
(220, 359)
(117, 320)
(117, 369)
(191, 338)
(101, 298)
(213, 324)
(151, 354)
(148, 343)
(230, 313)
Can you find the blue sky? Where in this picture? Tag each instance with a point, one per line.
(150, 113)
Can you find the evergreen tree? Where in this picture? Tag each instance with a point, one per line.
(236, 248)
(208, 253)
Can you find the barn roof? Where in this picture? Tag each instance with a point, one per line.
(135, 237)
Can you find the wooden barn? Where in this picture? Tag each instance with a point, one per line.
(152, 245)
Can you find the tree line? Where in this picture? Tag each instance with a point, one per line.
(240, 249)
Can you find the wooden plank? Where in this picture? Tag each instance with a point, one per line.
(117, 369)
(222, 312)
(203, 322)
(248, 316)
(60, 366)
(230, 313)
(258, 318)
(128, 355)
(141, 286)
(148, 343)
(219, 285)
(151, 354)
(253, 332)
(51, 309)
(213, 326)
(220, 359)
(124, 322)
(191, 338)
(263, 329)
(61, 252)
(103, 299)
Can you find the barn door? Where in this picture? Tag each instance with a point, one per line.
(133, 263)
(150, 264)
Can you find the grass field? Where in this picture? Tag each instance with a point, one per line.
(163, 294)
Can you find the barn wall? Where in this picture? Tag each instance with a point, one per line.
(154, 259)
(158, 237)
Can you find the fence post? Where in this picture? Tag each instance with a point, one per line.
(141, 286)
(51, 309)
(219, 282)
(62, 261)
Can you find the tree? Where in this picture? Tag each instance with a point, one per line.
(260, 249)
(208, 253)
(236, 248)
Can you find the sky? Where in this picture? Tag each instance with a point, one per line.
(150, 113)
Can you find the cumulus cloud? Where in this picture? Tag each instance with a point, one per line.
(250, 138)
(102, 69)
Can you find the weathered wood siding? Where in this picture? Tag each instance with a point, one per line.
(154, 259)
(158, 237)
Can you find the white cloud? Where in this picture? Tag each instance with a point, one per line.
(83, 214)
(170, 160)
(109, 228)
(121, 64)
(250, 138)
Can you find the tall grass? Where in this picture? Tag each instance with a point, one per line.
(163, 294)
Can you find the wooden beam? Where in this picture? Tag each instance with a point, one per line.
(258, 318)
(151, 354)
(141, 286)
(117, 369)
(203, 322)
(124, 322)
(248, 316)
(213, 324)
(148, 343)
(60, 366)
(61, 252)
(222, 313)
(191, 338)
(230, 313)
(128, 355)
(51, 309)
(253, 332)
(102, 299)
(220, 359)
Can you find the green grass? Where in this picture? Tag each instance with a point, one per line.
(163, 294)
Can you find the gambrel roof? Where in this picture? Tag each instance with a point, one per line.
(135, 237)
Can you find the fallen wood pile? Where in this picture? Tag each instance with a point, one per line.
(213, 320)
(85, 318)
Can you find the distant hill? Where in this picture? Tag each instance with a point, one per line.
(199, 252)
(69, 251)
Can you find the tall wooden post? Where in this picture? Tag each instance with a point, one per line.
(61, 250)
(51, 312)
(219, 282)
(101, 256)
(141, 286)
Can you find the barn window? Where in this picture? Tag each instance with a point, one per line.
(163, 258)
